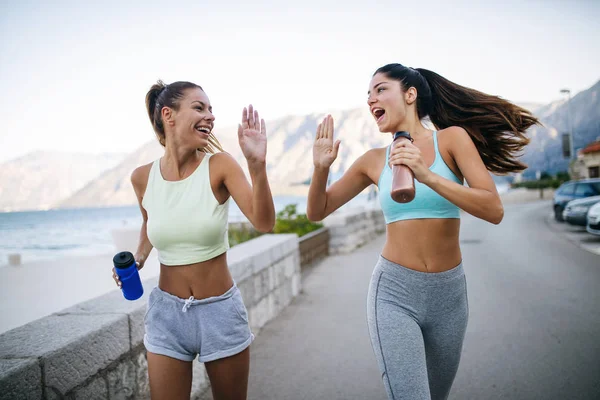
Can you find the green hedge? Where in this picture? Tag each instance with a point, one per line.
(546, 181)
(288, 221)
(237, 236)
(541, 184)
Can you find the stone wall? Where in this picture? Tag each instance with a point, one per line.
(314, 246)
(94, 349)
(352, 229)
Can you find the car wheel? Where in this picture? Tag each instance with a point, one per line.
(558, 214)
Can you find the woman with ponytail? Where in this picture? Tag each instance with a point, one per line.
(197, 309)
(417, 306)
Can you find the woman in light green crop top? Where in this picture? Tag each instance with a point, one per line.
(417, 305)
(197, 310)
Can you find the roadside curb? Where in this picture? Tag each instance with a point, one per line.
(594, 249)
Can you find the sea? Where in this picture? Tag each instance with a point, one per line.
(53, 234)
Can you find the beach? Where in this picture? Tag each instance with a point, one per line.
(39, 288)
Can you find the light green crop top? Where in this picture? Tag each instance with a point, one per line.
(186, 224)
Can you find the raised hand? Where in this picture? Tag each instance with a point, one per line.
(324, 150)
(252, 135)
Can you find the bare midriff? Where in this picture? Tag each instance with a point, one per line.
(204, 279)
(426, 245)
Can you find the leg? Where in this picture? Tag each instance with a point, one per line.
(444, 334)
(398, 345)
(229, 376)
(170, 379)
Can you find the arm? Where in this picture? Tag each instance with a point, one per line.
(323, 201)
(256, 201)
(139, 180)
(479, 199)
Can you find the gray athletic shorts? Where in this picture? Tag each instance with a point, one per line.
(213, 328)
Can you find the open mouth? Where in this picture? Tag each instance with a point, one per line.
(204, 129)
(378, 113)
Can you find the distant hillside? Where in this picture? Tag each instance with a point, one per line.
(43, 180)
(545, 150)
(289, 156)
(40, 179)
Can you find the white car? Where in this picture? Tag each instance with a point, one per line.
(593, 220)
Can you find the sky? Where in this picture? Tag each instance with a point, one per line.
(74, 76)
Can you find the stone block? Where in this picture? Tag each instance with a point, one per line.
(290, 267)
(97, 389)
(241, 269)
(200, 380)
(122, 381)
(272, 278)
(277, 252)
(259, 314)
(20, 379)
(72, 348)
(258, 288)
(274, 308)
(143, 384)
(115, 303)
(261, 261)
(296, 284)
(247, 290)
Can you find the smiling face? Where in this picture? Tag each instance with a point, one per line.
(389, 104)
(192, 122)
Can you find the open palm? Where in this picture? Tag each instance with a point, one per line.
(252, 135)
(324, 150)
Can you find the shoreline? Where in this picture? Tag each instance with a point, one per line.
(53, 285)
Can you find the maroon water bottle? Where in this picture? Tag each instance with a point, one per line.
(403, 179)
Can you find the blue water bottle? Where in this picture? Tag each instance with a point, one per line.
(126, 268)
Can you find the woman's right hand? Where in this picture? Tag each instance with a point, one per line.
(324, 150)
(139, 264)
(116, 278)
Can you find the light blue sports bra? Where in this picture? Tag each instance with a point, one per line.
(427, 203)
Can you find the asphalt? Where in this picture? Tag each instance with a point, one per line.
(533, 333)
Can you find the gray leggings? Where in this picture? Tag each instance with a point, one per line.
(417, 322)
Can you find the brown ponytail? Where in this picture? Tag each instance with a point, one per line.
(496, 126)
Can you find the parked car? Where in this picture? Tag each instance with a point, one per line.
(572, 190)
(593, 220)
(576, 211)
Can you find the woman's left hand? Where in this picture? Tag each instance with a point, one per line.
(406, 153)
(252, 135)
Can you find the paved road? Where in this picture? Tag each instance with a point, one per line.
(534, 328)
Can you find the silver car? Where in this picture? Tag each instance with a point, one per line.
(593, 220)
(576, 211)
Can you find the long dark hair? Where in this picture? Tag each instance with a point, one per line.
(496, 126)
(161, 95)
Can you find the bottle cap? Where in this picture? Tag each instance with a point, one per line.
(403, 134)
(123, 259)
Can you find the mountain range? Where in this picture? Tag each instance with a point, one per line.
(544, 152)
(43, 180)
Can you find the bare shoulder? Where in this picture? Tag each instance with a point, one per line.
(222, 159)
(454, 135)
(454, 140)
(370, 157)
(221, 162)
(371, 163)
(139, 176)
(375, 153)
